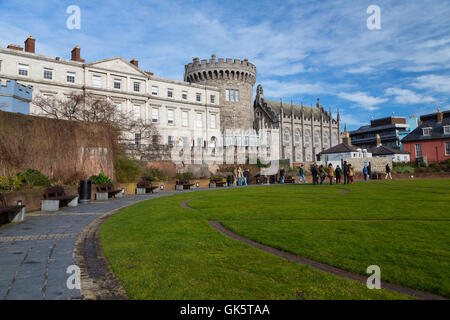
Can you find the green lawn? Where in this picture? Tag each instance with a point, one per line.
(162, 251)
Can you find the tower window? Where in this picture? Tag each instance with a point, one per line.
(232, 95)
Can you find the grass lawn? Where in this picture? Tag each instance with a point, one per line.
(162, 251)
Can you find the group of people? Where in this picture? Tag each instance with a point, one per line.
(242, 176)
(320, 173)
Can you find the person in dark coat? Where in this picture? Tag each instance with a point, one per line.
(282, 175)
(314, 174)
(246, 176)
(346, 173)
(338, 173)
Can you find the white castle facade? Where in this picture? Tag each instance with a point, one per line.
(213, 107)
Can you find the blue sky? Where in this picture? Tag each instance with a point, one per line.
(302, 49)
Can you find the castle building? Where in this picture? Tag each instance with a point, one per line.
(304, 131)
(212, 107)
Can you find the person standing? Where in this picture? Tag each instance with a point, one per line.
(282, 175)
(322, 173)
(240, 176)
(246, 176)
(314, 174)
(346, 172)
(331, 173)
(388, 172)
(351, 173)
(338, 173)
(365, 173)
(302, 174)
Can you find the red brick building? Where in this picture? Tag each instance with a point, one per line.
(431, 139)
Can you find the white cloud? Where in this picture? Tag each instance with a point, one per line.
(362, 69)
(363, 99)
(404, 96)
(433, 82)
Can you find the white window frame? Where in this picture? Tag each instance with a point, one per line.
(427, 129)
(184, 95)
(136, 85)
(170, 117)
(447, 148)
(47, 71)
(421, 151)
(119, 82)
(212, 121)
(96, 78)
(199, 120)
(72, 75)
(23, 67)
(212, 99)
(155, 115)
(185, 118)
(227, 94)
(169, 93)
(155, 90)
(198, 97)
(446, 129)
(137, 111)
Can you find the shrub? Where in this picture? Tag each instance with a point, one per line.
(153, 174)
(185, 176)
(403, 169)
(435, 167)
(34, 178)
(4, 183)
(100, 179)
(127, 170)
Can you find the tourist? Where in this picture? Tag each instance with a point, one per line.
(301, 172)
(331, 173)
(322, 173)
(351, 173)
(338, 173)
(282, 175)
(388, 172)
(246, 176)
(240, 176)
(365, 173)
(314, 173)
(346, 172)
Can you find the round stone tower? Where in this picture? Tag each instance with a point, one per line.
(235, 79)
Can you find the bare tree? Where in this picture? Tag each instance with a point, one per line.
(139, 136)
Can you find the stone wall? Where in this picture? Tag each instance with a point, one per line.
(378, 165)
(63, 150)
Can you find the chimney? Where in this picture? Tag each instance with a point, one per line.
(76, 54)
(30, 45)
(135, 62)
(440, 115)
(378, 140)
(15, 47)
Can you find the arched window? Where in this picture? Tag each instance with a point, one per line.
(334, 139)
(325, 141)
(297, 137)
(316, 139)
(287, 137)
(307, 138)
(298, 157)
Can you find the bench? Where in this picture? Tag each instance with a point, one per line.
(144, 187)
(106, 191)
(11, 213)
(183, 184)
(217, 182)
(56, 197)
(289, 179)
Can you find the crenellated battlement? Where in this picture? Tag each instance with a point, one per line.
(220, 69)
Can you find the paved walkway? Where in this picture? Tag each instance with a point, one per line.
(35, 254)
